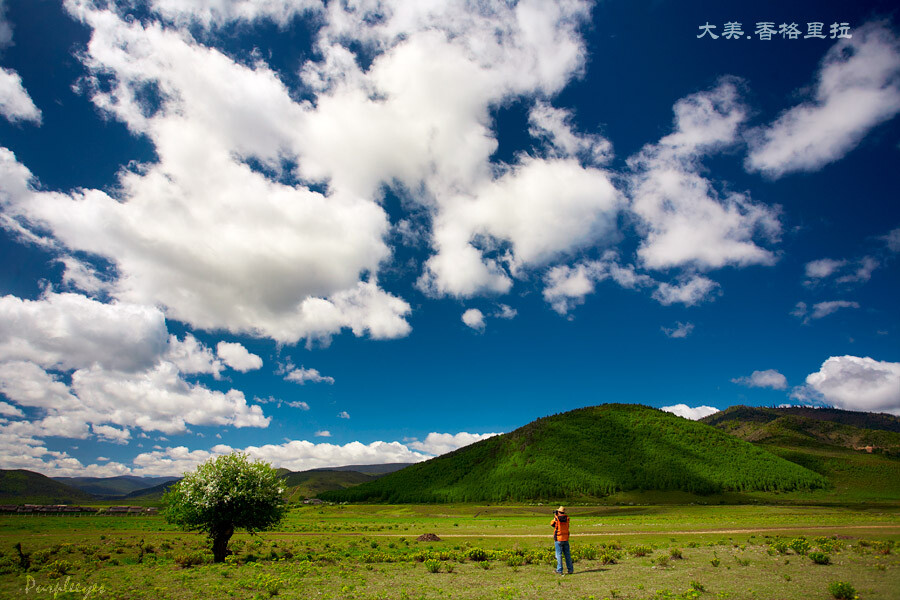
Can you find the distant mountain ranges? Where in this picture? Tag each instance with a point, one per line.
(20, 486)
(591, 454)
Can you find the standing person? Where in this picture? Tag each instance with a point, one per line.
(560, 526)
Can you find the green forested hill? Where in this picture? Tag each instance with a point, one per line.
(590, 452)
(309, 484)
(112, 486)
(834, 443)
(27, 487)
(299, 484)
(798, 426)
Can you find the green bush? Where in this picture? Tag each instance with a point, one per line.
(842, 590)
(640, 551)
(820, 558)
(675, 553)
(608, 558)
(882, 547)
(190, 559)
(477, 554)
(8, 564)
(58, 568)
(515, 561)
(433, 566)
(800, 546)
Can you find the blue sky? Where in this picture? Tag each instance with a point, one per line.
(361, 232)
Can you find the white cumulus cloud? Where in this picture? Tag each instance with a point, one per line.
(303, 376)
(857, 383)
(15, 103)
(296, 455)
(770, 378)
(689, 291)
(684, 220)
(237, 357)
(693, 413)
(442, 443)
(857, 88)
(474, 318)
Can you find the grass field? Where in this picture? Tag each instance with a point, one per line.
(494, 552)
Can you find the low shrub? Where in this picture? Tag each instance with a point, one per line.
(675, 553)
(58, 568)
(433, 566)
(820, 558)
(800, 546)
(640, 551)
(477, 554)
(842, 590)
(608, 558)
(190, 559)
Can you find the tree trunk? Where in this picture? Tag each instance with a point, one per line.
(220, 543)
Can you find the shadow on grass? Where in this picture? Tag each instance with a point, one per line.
(587, 571)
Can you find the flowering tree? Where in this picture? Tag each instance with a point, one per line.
(225, 493)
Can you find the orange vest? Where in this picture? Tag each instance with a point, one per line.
(561, 525)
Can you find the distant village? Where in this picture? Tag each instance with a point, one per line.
(55, 509)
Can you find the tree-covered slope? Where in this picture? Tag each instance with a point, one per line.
(112, 486)
(798, 426)
(309, 484)
(590, 452)
(834, 443)
(27, 487)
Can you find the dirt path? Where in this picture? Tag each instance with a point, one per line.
(895, 528)
(891, 528)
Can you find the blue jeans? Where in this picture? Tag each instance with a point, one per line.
(562, 548)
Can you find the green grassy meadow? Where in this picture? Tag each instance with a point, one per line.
(370, 552)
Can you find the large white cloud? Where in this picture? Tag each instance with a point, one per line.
(685, 221)
(70, 331)
(200, 232)
(857, 87)
(15, 103)
(442, 443)
(20, 450)
(855, 383)
(296, 455)
(91, 367)
(219, 12)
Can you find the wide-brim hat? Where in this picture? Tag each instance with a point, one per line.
(561, 509)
